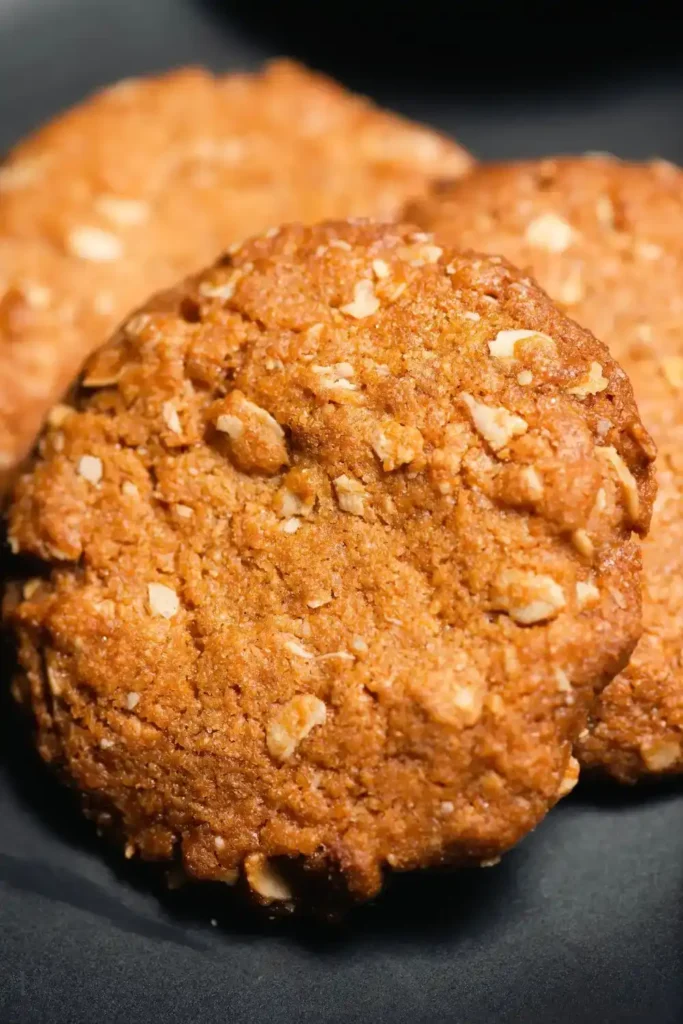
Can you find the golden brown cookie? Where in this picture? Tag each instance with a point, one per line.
(337, 547)
(605, 239)
(149, 180)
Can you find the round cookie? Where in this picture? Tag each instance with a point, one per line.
(327, 586)
(604, 238)
(150, 180)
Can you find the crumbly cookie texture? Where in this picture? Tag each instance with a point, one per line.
(604, 238)
(312, 602)
(150, 180)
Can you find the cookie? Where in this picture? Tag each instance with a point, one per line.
(335, 551)
(604, 238)
(150, 180)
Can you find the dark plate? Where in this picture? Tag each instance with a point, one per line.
(584, 921)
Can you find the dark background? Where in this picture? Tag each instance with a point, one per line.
(583, 922)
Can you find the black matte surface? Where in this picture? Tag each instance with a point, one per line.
(584, 922)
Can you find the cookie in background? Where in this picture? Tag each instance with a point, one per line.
(603, 237)
(150, 179)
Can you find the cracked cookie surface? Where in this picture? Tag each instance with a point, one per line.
(327, 584)
(604, 238)
(150, 180)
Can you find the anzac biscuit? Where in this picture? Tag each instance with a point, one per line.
(149, 181)
(604, 238)
(336, 548)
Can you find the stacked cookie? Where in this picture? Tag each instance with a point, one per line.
(338, 538)
(150, 180)
(603, 238)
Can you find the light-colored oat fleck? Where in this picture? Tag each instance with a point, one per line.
(129, 489)
(471, 315)
(54, 679)
(228, 876)
(397, 445)
(106, 744)
(528, 597)
(339, 655)
(583, 543)
(20, 174)
(524, 378)
(533, 482)
(381, 269)
(319, 602)
(587, 595)
(170, 417)
(257, 441)
(625, 477)
(163, 600)
(498, 426)
(249, 410)
(265, 880)
(93, 244)
(505, 343)
(563, 683)
(660, 754)
(604, 211)
(570, 778)
(603, 426)
(90, 468)
(336, 370)
(30, 588)
(289, 503)
(335, 376)
(550, 232)
(350, 495)
(452, 695)
(359, 645)
(224, 290)
(430, 253)
(365, 303)
(58, 415)
(291, 525)
(184, 511)
(649, 251)
(298, 650)
(137, 324)
(132, 700)
(230, 425)
(292, 722)
(126, 212)
(219, 843)
(101, 376)
(592, 384)
(37, 296)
